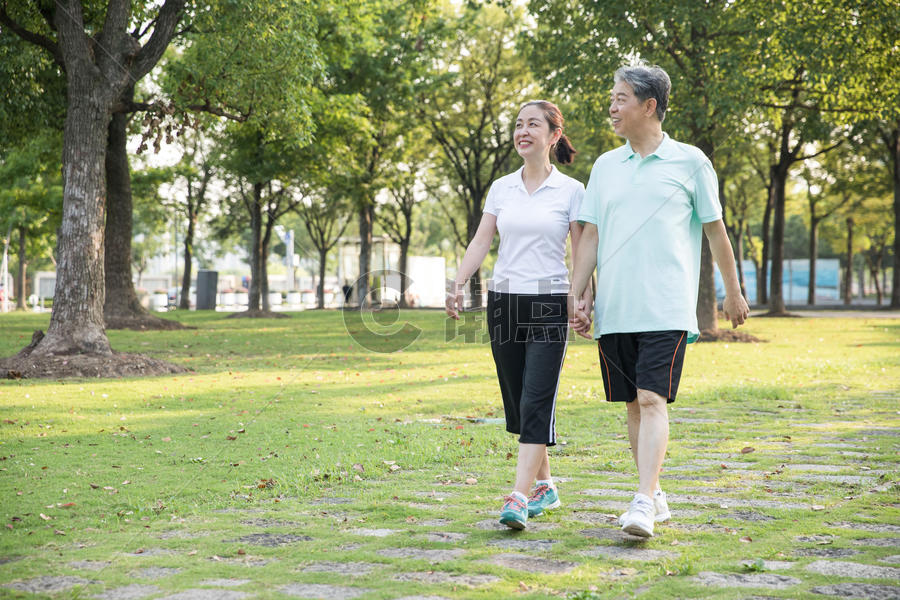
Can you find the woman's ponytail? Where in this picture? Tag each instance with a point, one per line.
(564, 150)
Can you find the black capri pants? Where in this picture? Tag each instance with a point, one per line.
(529, 334)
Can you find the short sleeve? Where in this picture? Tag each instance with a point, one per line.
(490, 203)
(706, 193)
(575, 200)
(591, 201)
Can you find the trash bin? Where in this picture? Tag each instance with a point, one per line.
(207, 282)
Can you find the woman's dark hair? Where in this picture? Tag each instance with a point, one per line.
(562, 149)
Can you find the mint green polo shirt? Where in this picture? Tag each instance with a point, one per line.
(649, 214)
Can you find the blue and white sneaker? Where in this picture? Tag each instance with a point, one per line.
(543, 497)
(514, 513)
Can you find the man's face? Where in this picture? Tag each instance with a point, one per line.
(626, 111)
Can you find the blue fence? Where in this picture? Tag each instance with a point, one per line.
(795, 280)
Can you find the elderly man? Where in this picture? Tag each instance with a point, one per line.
(644, 209)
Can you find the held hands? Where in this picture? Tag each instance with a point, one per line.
(454, 302)
(736, 309)
(579, 314)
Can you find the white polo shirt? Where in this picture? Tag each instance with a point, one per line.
(533, 230)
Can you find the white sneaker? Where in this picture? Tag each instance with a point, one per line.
(639, 518)
(661, 506)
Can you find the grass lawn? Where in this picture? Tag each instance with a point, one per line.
(296, 462)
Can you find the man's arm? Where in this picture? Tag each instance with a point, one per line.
(584, 261)
(734, 305)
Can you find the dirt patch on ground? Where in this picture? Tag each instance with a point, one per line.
(727, 335)
(144, 323)
(28, 365)
(258, 314)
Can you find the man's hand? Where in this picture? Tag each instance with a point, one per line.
(736, 309)
(579, 314)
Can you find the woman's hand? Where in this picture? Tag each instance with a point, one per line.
(453, 304)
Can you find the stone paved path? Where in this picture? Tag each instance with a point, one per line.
(809, 514)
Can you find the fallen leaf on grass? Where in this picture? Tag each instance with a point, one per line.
(230, 438)
(471, 481)
(192, 553)
(359, 468)
(746, 539)
(747, 449)
(393, 468)
(94, 486)
(59, 532)
(167, 439)
(66, 505)
(241, 551)
(45, 517)
(817, 507)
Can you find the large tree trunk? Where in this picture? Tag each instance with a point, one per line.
(895, 159)
(366, 220)
(122, 309)
(776, 294)
(813, 251)
(21, 279)
(185, 302)
(848, 270)
(76, 322)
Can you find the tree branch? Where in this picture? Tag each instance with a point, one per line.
(150, 53)
(828, 149)
(29, 36)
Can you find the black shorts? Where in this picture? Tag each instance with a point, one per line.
(650, 360)
(528, 340)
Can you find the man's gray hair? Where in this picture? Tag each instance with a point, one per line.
(648, 82)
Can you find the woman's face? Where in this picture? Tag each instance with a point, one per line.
(532, 136)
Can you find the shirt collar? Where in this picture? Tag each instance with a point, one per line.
(663, 151)
(554, 180)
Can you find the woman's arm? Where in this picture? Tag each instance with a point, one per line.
(475, 253)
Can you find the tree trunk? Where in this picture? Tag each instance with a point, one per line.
(813, 251)
(848, 270)
(76, 322)
(366, 219)
(475, 284)
(185, 302)
(739, 252)
(255, 248)
(320, 288)
(762, 273)
(861, 275)
(264, 267)
(404, 279)
(707, 309)
(895, 159)
(776, 293)
(707, 306)
(874, 268)
(21, 279)
(121, 299)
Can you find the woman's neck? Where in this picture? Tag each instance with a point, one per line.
(536, 171)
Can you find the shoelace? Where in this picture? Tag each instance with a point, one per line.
(642, 506)
(518, 504)
(539, 492)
